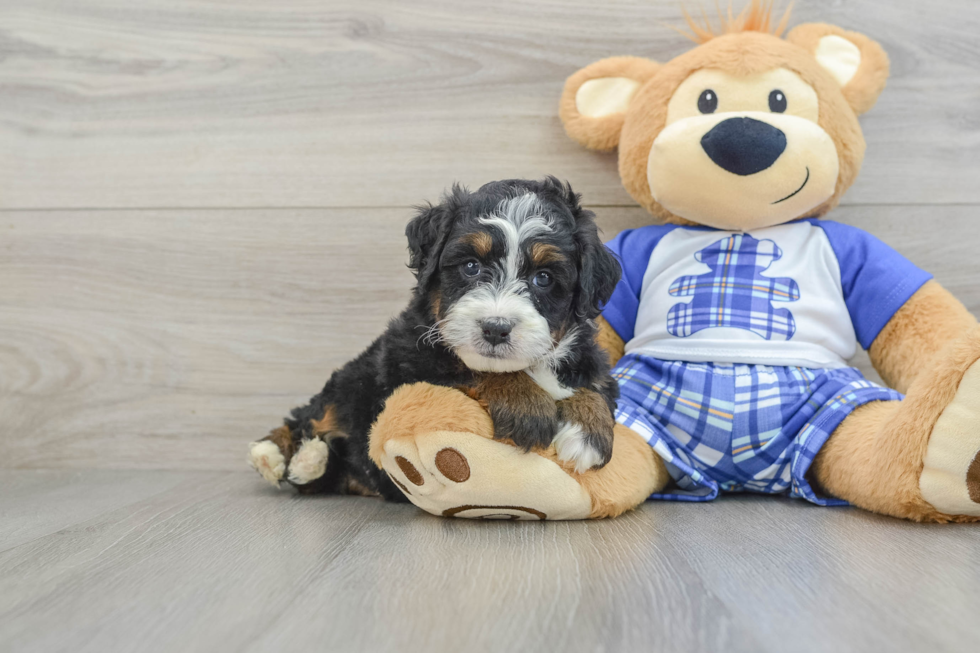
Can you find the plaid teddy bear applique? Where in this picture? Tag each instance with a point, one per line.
(734, 293)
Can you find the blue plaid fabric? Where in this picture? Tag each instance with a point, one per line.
(734, 293)
(738, 428)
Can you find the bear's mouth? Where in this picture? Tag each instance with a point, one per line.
(798, 189)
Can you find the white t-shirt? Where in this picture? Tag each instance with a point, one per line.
(799, 294)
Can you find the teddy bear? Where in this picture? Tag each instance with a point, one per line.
(739, 306)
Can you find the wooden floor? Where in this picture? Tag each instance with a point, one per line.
(197, 561)
(202, 207)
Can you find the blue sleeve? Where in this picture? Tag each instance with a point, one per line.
(877, 280)
(633, 249)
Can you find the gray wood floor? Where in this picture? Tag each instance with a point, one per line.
(197, 561)
(201, 214)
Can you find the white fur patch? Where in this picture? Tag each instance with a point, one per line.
(571, 445)
(265, 458)
(545, 377)
(309, 463)
(543, 372)
(481, 363)
(530, 338)
(518, 220)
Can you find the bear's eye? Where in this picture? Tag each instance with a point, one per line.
(707, 101)
(471, 268)
(777, 101)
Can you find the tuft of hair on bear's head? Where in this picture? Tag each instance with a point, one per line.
(757, 16)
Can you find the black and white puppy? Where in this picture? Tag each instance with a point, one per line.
(510, 280)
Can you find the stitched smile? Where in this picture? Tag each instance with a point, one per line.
(798, 189)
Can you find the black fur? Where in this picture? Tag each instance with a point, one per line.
(356, 393)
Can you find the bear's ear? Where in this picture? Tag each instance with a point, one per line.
(594, 102)
(858, 64)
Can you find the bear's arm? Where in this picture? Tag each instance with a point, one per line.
(609, 341)
(927, 322)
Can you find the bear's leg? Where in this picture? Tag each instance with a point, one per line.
(634, 473)
(437, 444)
(918, 458)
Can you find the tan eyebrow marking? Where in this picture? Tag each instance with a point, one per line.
(481, 241)
(543, 253)
(436, 301)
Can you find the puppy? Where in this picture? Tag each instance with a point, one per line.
(509, 281)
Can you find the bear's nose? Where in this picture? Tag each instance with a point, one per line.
(744, 146)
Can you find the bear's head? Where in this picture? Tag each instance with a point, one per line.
(747, 130)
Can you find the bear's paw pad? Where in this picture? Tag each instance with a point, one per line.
(950, 479)
(453, 474)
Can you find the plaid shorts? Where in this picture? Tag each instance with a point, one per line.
(738, 428)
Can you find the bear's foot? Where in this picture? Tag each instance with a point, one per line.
(458, 474)
(437, 445)
(950, 479)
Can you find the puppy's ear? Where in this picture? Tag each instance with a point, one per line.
(427, 233)
(594, 102)
(858, 64)
(599, 271)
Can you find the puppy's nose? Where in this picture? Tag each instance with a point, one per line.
(496, 330)
(744, 146)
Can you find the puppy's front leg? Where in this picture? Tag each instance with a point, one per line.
(521, 411)
(585, 436)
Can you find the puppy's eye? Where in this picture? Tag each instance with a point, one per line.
(707, 101)
(471, 268)
(777, 101)
(542, 279)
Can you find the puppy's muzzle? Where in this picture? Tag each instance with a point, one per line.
(496, 331)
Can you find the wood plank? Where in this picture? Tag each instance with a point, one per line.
(223, 562)
(379, 103)
(610, 586)
(166, 333)
(169, 339)
(829, 579)
(36, 503)
(197, 568)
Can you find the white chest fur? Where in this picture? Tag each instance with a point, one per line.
(546, 379)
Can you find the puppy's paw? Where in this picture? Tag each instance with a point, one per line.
(586, 450)
(265, 458)
(527, 430)
(309, 463)
(520, 410)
